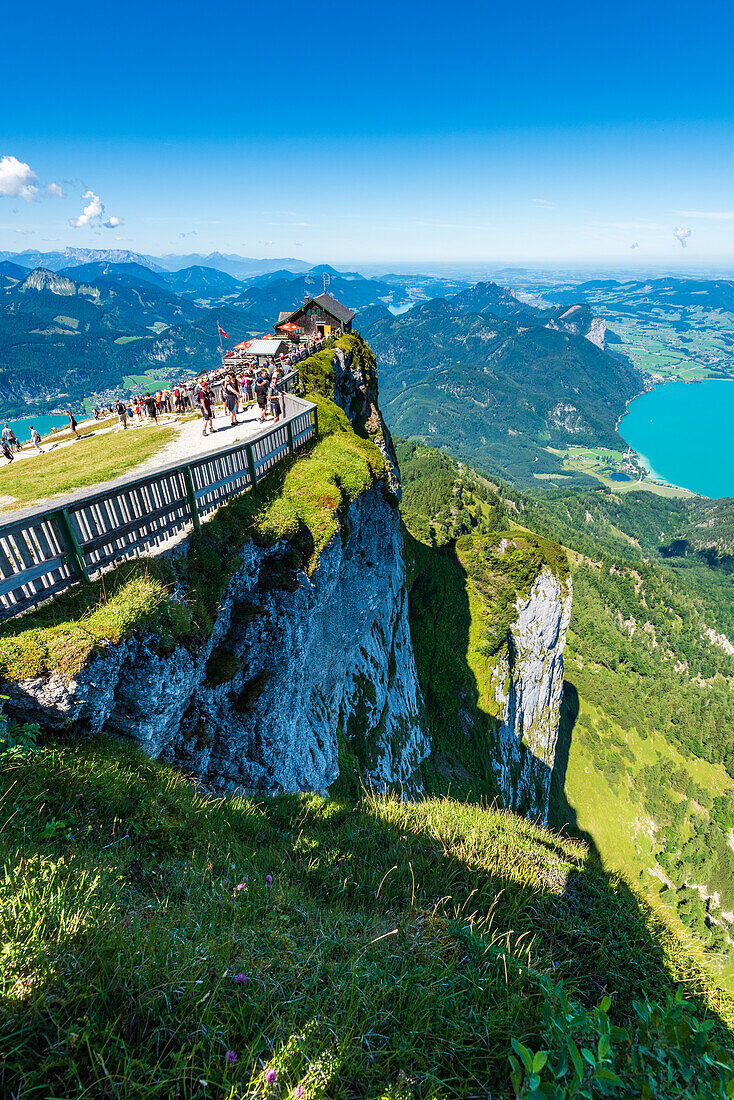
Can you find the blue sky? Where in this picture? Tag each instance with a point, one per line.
(368, 133)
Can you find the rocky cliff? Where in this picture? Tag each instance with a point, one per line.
(529, 688)
(304, 671)
(294, 665)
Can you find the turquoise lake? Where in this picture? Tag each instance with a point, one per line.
(682, 431)
(43, 424)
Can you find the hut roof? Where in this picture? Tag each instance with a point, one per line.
(327, 303)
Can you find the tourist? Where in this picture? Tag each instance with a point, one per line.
(261, 394)
(72, 423)
(151, 407)
(121, 411)
(36, 439)
(205, 399)
(9, 437)
(248, 384)
(231, 392)
(275, 398)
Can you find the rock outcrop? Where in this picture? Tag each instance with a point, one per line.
(529, 687)
(294, 666)
(308, 671)
(597, 333)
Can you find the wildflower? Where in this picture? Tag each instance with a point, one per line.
(241, 885)
(241, 979)
(300, 1092)
(231, 1058)
(268, 881)
(271, 1076)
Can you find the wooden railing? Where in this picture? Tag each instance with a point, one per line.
(44, 551)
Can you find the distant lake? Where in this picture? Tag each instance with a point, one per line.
(43, 423)
(682, 432)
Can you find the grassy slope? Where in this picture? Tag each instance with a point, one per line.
(397, 951)
(80, 465)
(609, 796)
(612, 814)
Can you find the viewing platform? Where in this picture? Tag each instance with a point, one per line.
(46, 549)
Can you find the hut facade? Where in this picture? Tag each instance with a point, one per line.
(317, 316)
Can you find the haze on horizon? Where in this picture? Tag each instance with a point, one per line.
(372, 134)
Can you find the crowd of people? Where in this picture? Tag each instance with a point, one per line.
(240, 383)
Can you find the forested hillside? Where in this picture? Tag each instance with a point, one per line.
(645, 762)
(497, 391)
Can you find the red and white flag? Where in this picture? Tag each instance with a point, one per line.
(222, 332)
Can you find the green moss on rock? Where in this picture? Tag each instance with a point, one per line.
(301, 501)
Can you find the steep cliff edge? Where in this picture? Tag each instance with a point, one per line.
(488, 616)
(529, 689)
(293, 663)
(280, 641)
(489, 608)
(277, 654)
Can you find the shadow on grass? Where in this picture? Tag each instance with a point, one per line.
(400, 940)
(403, 941)
(463, 736)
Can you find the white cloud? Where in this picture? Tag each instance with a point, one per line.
(544, 203)
(55, 191)
(113, 222)
(682, 235)
(25, 232)
(715, 215)
(17, 179)
(92, 213)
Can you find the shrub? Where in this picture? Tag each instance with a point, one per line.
(670, 1053)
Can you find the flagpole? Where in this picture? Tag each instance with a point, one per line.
(221, 351)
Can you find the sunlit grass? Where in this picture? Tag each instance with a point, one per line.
(394, 943)
(80, 465)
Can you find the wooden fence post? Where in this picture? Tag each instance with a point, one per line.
(69, 539)
(315, 411)
(289, 430)
(191, 498)
(251, 465)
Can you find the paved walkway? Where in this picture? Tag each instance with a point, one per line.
(189, 442)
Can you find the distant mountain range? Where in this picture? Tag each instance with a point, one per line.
(232, 264)
(270, 296)
(239, 266)
(499, 379)
(73, 257)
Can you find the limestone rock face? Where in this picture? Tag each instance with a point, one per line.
(529, 688)
(294, 665)
(597, 332)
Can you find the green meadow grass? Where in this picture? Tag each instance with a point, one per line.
(82, 464)
(358, 949)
